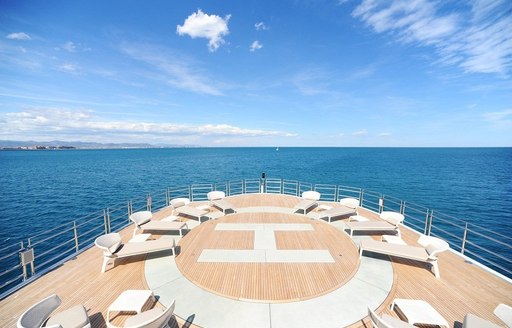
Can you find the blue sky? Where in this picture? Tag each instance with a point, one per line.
(258, 73)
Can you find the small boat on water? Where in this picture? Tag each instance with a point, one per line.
(266, 253)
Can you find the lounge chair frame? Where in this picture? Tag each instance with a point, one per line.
(143, 221)
(427, 254)
(114, 249)
(309, 199)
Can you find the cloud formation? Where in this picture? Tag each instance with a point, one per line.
(260, 26)
(501, 118)
(360, 133)
(477, 42)
(69, 46)
(19, 36)
(201, 25)
(178, 72)
(62, 122)
(256, 45)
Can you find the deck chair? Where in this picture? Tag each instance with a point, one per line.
(143, 222)
(348, 207)
(154, 318)
(216, 198)
(427, 254)
(309, 199)
(502, 311)
(473, 321)
(387, 321)
(38, 315)
(113, 248)
(181, 206)
(391, 222)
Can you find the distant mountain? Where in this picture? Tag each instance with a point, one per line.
(81, 144)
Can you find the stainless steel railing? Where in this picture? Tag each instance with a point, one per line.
(54, 246)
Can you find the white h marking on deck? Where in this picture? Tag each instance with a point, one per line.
(265, 249)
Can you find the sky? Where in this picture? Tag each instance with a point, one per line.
(334, 73)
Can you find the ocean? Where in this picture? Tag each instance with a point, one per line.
(42, 189)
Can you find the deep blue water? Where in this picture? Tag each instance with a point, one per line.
(40, 189)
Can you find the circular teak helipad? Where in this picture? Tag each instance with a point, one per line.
(267, 257)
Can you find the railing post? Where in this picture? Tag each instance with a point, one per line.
(128, 213)
(427, 216)
(167, 197)
(402, 207)
(430, 222)
(282, 186)
(148, 202)
(108, 219)
(190, 193)
(75, 232)
(228, 188)
(361, 197)
(105, 221)
(336, 193)
(22, 248)
(381, 204)
(463, 247)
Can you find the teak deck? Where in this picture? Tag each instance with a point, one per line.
(463, 287)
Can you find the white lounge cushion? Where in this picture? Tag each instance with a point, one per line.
(349, 202)
(109, 242)
(311, 195)
(37, 314)
(141, 217)
(179, 202)
(215, 195)
(392, 217)
(75, 317)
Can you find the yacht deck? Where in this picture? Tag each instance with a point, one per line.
(463, 287)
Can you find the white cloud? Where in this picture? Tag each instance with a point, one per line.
(313, 81)
(360, 133)
(64, 122)
(69, 46)
(384, 134)
(499, 118)
(19, 36)
(201, 25)
(256, 45)
(260, 26)
(174, 70)
(477, 39)
(67, 67)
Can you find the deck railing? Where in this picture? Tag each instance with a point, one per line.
(23, 262)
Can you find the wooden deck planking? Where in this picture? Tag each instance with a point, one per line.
(463, 287)
(277, 281)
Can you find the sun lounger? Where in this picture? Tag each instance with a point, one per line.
(113, 248)
(39, 314)
(135, 301)
(426, 254)
(181, 206)
(143, 222)
(502, 311)
(391, 222)
(419, 312)
(473, 321)
(348, 207)
(309, 199)
(216, 199)
(154, 318)
(387, 321)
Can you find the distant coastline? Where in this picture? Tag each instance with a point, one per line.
(70, 145)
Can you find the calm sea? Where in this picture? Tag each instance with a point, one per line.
(41, 189)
